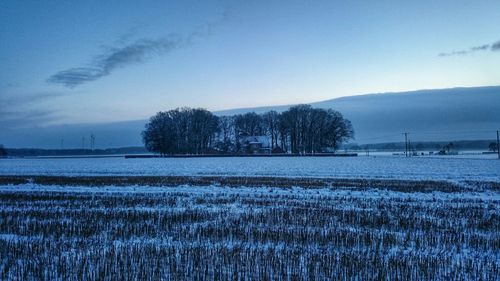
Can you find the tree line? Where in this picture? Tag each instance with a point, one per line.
(300, 129)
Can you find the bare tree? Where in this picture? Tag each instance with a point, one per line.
(310, 130)
(338, 129)
(225, 133)
(159, 134)
(270, 121)
(182, 130)
(249, 124)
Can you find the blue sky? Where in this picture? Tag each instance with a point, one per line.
(101, 61)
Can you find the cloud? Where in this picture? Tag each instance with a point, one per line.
(480, 48)
(454, 53)
(115, 58)
(486, 47)
(26, 119)
(18, 111)
(26, 100)
(495, 46)
(126, 54)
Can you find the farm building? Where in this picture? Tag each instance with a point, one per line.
(255, 144)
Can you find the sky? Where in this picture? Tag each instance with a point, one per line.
(65, 62)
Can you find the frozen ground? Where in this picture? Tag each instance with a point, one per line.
(242, 233)
(387, 167)
(491, 196)
(362, 229)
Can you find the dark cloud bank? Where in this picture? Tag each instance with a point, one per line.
(486, 47)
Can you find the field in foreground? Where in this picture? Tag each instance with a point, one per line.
(387, 167)
(243, 233)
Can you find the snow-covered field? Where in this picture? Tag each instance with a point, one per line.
(243, 233)
(454, 169)
(214, 232)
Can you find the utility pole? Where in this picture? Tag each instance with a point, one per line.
(498, 145)
(406, 144)
(410, 150)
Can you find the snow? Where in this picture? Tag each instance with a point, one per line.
(257, 192)
(188, 232)
(386, 167)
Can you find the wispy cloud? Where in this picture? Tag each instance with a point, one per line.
(495, 46)
(125, 54)
(26, 100)
(26, 119)
(115, 58)
(21, 110)
(481, 48)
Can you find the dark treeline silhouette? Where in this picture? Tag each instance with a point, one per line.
(299, 130)
(3, 151)
(182, 130)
